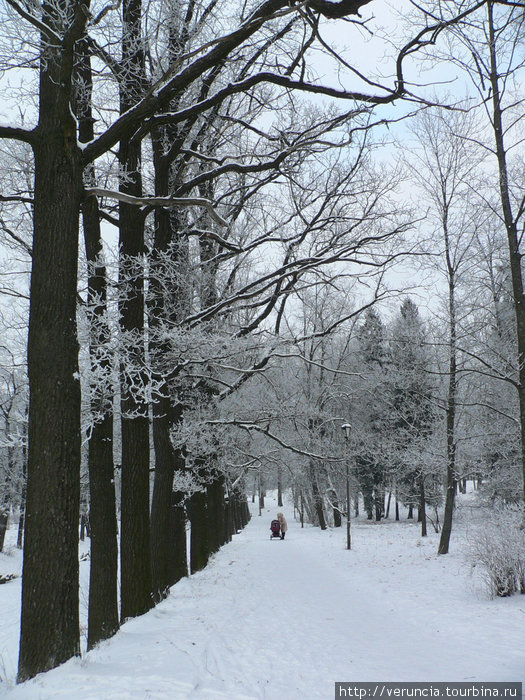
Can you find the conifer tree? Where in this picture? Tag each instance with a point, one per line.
(410, 396)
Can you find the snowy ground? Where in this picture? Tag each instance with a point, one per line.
(285, 620)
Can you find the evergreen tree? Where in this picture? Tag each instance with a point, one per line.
(371, 336)
(371, 465)
(410, 398)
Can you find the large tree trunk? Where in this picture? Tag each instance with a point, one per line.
(161, 521)
(135, 528)
(368, 502)
(336, 509)
(168, 519)
(228, 519)
(379, 501)
(201, 510)
(103, 618)
(199, 547)
(177, 555)
(50, 617)
(317, 498)
(215, 494)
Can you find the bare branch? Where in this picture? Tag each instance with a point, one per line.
(13, 132)
(249, 426)
(8, 231)
(41, 26)
(337, 10)
(159, 201)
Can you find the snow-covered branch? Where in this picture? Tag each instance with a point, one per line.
(159, 201)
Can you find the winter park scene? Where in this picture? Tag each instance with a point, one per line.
(262, 355)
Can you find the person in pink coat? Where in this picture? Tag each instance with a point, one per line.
(283, 524)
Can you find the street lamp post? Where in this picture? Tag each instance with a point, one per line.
(346, 427)
(261, 497)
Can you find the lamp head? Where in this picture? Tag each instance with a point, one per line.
(346, 427)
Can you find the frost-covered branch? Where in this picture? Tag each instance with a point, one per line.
(159, 201)
(250, 426)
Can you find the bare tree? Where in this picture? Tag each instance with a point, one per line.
(443, 166)
(486, 48)
(13, 388)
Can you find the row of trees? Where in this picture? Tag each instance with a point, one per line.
(254, 230)
(176, 129)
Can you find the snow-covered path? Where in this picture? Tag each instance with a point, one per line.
(284, 620)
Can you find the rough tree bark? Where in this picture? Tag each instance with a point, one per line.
(103, 618)
(135, 559)
(50, 618)
(215, 497)
(177, 555)
(162, 499)
(168, 518)
(202, 509)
